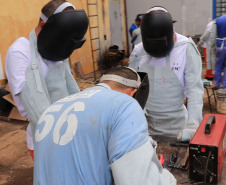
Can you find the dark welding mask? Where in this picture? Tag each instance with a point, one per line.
(62, 34)
(157, 33)
(143, 90)
(141, 84)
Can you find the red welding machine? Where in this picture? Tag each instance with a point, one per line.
(207, 149)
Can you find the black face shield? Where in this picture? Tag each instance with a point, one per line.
(143, 90)
(62, 34)
(157, 33)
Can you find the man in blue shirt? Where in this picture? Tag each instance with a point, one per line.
(134, 31)
(218, 43)
(98, 136)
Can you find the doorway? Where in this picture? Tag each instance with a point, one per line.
(116, 24)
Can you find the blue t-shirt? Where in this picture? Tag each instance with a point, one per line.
(78, 137)
(131, 29)
(221, 29)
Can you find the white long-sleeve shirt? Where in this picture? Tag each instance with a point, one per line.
(17, 60)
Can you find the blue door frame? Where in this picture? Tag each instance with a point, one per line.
(214, 9)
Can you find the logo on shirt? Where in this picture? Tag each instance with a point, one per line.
(68, 118)
(175, 67)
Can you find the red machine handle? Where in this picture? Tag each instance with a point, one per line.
(210, 121)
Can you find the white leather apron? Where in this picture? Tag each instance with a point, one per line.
(166, 112)
(39, 92)
(141, 167)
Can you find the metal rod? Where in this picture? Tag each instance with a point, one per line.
(95, 49)
(92, 15)
(95, 38)
(179, 144)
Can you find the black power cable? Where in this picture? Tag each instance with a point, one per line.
(206, 167)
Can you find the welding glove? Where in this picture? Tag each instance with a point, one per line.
(187, 133)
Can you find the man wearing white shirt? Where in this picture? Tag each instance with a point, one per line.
(36, 65)
(209, 53)
(174, 67)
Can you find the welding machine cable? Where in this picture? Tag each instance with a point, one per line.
(206, 167)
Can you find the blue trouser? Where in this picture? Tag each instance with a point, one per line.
(220, 65)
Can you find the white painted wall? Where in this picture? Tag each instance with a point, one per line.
(192, 16)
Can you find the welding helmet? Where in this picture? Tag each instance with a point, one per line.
(143, 90)
(141, 84)
(62, 34)
(157, 33)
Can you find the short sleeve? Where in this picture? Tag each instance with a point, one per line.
(129, 131)
(17, 61)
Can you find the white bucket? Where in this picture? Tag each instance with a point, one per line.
(221, 101)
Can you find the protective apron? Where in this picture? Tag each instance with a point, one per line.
(165, 108)
(39, 92)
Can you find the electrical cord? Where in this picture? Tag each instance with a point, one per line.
(206, 167)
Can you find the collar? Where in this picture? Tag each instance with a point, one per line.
(104, 85)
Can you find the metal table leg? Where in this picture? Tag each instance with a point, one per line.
(207, 91)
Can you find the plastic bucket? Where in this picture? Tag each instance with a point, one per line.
(221, 101)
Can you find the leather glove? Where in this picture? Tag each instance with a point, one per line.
(186, 134)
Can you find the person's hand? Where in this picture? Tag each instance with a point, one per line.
(186, 134)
